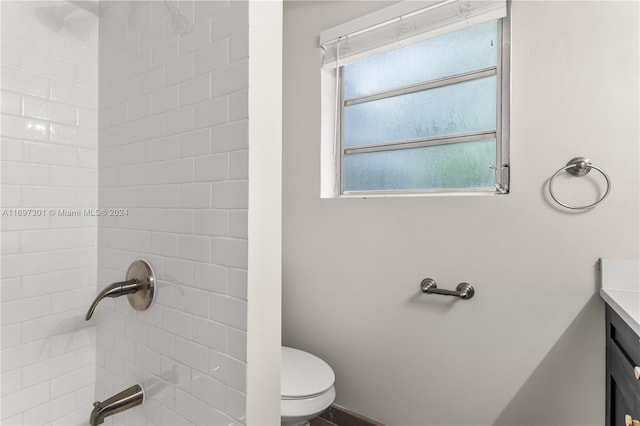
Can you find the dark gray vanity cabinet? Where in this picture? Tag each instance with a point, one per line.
(623, 362)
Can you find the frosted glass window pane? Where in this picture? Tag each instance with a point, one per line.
(461, 165)
(458, 108)
(462, 51)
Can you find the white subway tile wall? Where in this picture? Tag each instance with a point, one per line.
(173, 150)
(173, 153)
(49, 145)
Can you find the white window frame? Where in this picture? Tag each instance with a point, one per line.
(333, 151)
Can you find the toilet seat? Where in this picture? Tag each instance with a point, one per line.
(304, 376)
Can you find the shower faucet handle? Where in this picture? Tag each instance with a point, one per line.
(139, 288)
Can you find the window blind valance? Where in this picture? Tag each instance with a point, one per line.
(402, 24)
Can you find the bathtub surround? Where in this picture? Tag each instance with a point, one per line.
(534, 332)
(184, 183)
(175, 134)
(179, 109)
(49, 84)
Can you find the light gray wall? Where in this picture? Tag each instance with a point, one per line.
(529, 348)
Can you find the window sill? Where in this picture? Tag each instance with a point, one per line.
(396, 194)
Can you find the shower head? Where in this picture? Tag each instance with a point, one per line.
(53, 16)
(179, 23)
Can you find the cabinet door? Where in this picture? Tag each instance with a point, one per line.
(623, 354)
(621, 404)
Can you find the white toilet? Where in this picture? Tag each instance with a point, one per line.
(306, 387)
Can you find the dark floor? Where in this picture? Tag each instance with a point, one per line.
(318, 421)
(338, 416)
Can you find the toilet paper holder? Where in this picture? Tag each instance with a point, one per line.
(464, 291)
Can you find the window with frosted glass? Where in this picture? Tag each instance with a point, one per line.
(425, 117)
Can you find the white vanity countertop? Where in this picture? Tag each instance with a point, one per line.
(621, 289)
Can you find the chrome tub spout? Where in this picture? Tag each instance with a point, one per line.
(118, 403)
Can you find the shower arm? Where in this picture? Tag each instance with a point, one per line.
(171, 6)
(88, 5)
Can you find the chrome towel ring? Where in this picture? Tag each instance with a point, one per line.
(579, 166)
